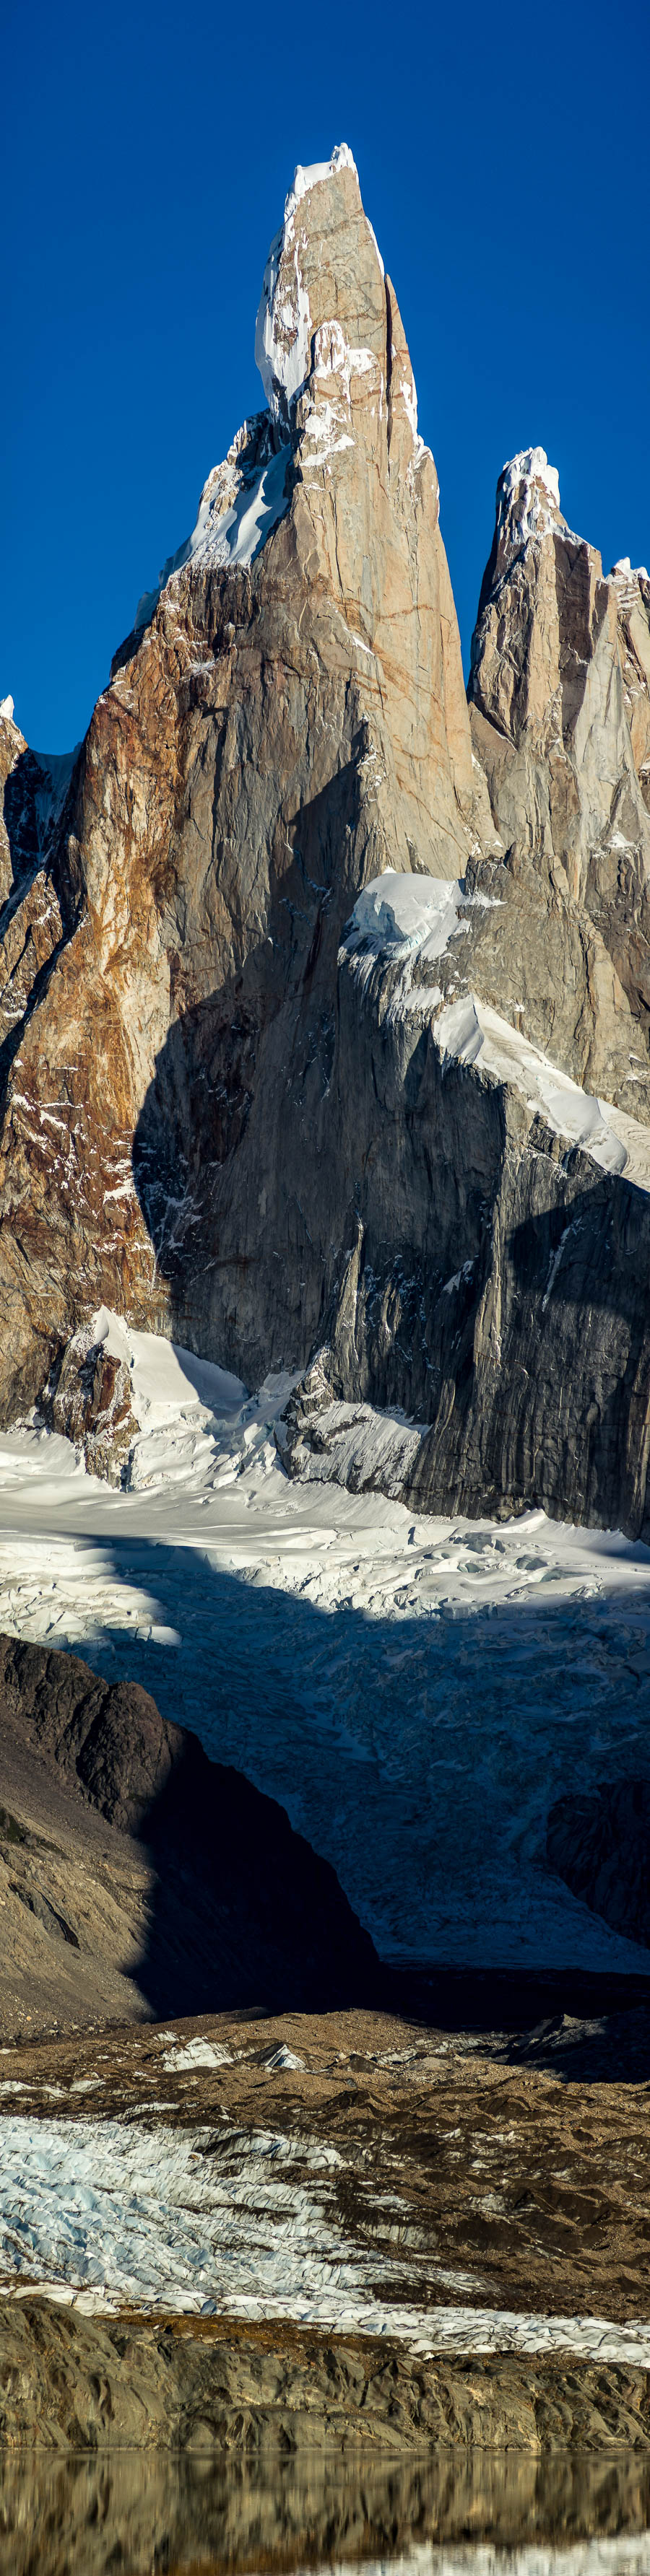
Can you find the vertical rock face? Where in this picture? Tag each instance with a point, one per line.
(32, 793)
(272, 1080)
(288, 719)
(551, 712)
(633, 602)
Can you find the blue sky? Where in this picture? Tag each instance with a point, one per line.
(146, 155)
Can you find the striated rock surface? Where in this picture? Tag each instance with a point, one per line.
(292, 720)
(76, 2383)
(340, 1057)
(551, 724)
(633, 599)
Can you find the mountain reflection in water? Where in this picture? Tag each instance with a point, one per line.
(143, 2514)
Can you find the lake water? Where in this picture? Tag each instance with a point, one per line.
(442, 2513)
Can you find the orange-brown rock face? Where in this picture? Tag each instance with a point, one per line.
(291, 721)
(275, 980)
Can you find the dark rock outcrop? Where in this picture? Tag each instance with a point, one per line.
(233, 1907)
(91, 1404)
(600, 1845)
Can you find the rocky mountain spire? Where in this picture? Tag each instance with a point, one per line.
(551, 713)
(633, 608)
(287, 719)
(326, 1050)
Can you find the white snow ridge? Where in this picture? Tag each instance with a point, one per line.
(401, 920)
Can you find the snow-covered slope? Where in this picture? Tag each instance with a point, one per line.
(415, 1692)
(408, 923)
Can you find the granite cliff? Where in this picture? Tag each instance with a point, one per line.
(334, 1051)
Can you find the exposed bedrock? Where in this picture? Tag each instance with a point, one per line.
(196, 1894)
(560, 702)
(251, 1100)
(495, 1286)
(77, 2383)
(600, 1844)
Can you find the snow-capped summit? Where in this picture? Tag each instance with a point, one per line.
(323, 266)
(528, 511)
(528, 496)
(335, 367)
(632, 582)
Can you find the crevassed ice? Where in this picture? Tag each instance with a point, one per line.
(238, 2224)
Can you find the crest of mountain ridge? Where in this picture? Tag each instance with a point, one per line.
(211, 1121)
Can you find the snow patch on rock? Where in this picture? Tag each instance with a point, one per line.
(472, 1033)
(166, 1379)
(632, 586)
(400, 916)
(400, 920)
(633, 572)
(405, 921)
(528, 496)
(241, 502)
(283, 329)
(308, 176)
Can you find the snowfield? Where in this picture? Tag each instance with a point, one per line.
(415, 1692)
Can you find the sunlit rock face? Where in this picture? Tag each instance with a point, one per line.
(561, 723)
(633, 604)
(290, 718)
(252, 1098)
